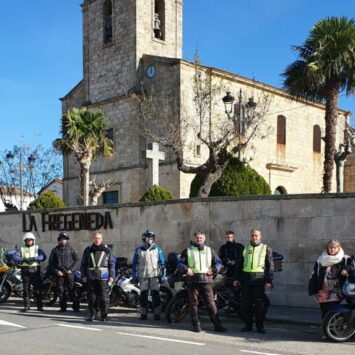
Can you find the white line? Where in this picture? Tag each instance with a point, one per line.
(2, 322)
(139, 325)
(257, 352)
(161, 339)
(79, 327)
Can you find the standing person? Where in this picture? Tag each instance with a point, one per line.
(98, 269)
(200, 263)
(62, 261)
(329, 273)
(149, 270)
(254, 273)
(30, 256)
(230, 253)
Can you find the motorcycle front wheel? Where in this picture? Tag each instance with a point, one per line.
(177, 308)
(337, 326)
(49, 294)
(5, 292)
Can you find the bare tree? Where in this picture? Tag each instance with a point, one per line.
(24, 170)
(224, 135)
(98, 189)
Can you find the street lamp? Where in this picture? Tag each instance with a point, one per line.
(243, 114)
(31, 160)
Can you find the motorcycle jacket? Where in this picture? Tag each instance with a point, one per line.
(30, 258)
(63, 258)
(230, 253)
(148, 262)
(199, 260)
(98, 263)
(256, 265)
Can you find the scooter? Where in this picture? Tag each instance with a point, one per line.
(339, 323)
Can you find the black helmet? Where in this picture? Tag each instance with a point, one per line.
(63, 235)
(148, 234)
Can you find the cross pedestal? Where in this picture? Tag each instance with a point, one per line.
(154, 156)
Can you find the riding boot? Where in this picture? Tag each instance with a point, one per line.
(196, 325)
(218, 327)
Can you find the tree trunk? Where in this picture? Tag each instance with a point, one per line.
(208, 180)
(210, 176)
(85, 181)
(331, 116)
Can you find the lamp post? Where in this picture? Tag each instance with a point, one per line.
(243, 114)
(21, 168)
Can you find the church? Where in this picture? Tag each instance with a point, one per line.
(131, 42)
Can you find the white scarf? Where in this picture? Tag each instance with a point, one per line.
(329, 260)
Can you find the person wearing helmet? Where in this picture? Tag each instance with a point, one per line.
(200, 262)
(98, 270)
(29, 257)
(62, 261)
(148, 269)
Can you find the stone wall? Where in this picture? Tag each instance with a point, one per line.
(297, 226)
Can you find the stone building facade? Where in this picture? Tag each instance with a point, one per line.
(349, 173)
(130, 42)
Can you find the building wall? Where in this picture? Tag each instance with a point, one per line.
(349, 174)
(297, 226)
(294, 165)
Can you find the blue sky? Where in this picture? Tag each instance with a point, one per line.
(41, 51)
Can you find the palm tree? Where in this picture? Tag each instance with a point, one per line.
(325, 68)
(84, 134)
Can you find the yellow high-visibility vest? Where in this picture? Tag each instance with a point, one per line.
(199, 261)
(254, 258)
(30, 252)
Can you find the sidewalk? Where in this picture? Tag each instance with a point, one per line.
(293, 315)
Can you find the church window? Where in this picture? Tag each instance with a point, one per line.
(110, 133)
(107, 17)
(316, 139)
(110, 197)
(159, 19)
(281, 129)
(198, 150)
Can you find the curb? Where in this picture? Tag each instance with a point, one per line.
(292, 321)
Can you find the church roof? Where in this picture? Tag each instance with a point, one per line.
(237, 78)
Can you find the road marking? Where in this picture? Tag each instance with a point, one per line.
(79, 327)
(257, 352)
(2, 322)
(138, 325)
(161, 339)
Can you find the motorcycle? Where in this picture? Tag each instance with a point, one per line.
(227, 298)
(227, 301)
(11, 283)
(339, 323)
(124, 293)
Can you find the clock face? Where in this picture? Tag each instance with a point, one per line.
(151, 71)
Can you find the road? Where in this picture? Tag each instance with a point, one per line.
(51, 332)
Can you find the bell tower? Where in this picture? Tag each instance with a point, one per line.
(117, 33)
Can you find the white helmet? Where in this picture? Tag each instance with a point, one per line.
(29, 235)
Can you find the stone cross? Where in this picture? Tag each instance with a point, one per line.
(154, 156)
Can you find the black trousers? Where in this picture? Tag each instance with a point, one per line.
(205, 290)
(35, 280)
(98, 296)
(66, 282)
(253, 303)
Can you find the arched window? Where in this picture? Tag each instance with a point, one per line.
(159, 19)
(281, 129)
(107, 17)
(280, 190)
(316, 139)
